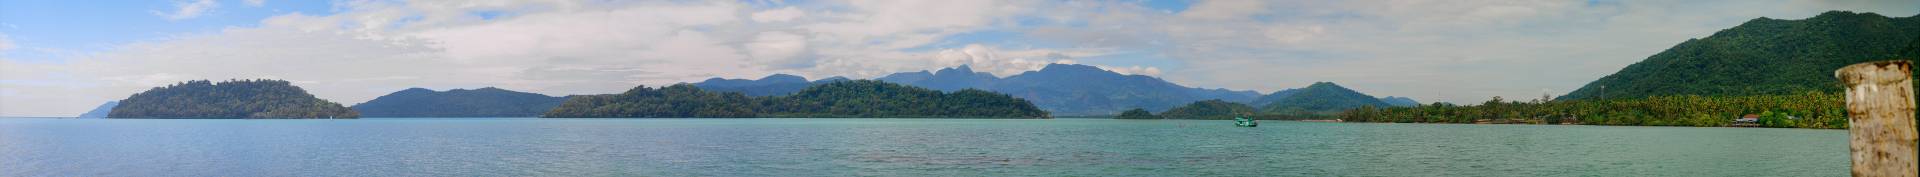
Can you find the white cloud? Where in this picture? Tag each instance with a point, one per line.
(188, 10)
(255, 3)
(1225, 9)
(889, 24)
(778, 15)
(776, 46)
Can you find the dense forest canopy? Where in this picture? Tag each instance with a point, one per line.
(1763, 57)
(233, 99)
(1136, 113)
(482, 102)
(1805, 110)
(855, 98)
(1779, 70)
(1321, 98)
(1209, 109)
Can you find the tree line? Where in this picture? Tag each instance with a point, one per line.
(232, 99)
(1805, 110)
(854, 98)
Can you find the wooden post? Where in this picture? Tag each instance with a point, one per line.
(1880, 115)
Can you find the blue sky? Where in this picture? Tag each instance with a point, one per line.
(59, 58)
(83, 27)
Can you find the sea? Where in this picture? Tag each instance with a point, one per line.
(896, 147)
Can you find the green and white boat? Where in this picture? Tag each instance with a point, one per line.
(1245, 122)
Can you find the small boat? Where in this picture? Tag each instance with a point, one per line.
(1245, 122)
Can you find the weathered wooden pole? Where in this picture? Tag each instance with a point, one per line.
(1880, 110)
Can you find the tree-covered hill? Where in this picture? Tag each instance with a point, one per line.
(482, 102)
(233, 99)
(1209, 109)
(1136, 113)
(1321, 98)
(856, 98)
(1763, 56)
(1274, 97)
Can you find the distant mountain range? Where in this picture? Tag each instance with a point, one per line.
(1400, 101)
(1764, 56)
(777, 84)
(1064, 89)
(101, 111)
(482, 102)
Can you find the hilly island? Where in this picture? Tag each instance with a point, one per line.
(234, 99)
(482, 102)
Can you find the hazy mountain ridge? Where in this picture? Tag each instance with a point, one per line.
(1399, 101)
(482, 102)
(100, 111)
(1064, 89)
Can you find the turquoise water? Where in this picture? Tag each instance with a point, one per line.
(896, 147)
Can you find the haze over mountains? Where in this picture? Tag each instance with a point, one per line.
(482, 102)
(1063, 89)
(1764, 56)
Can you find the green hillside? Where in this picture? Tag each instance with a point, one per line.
(1763, 57)
(235, 99)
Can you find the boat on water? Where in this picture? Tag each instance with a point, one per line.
(1245, 122)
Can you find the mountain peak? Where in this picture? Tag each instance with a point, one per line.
(416, 90)
(1072, 69)
(959, 69)
(1324, 84)
(832, 79)
(1400, 101)
(490, 89)
(783, 78)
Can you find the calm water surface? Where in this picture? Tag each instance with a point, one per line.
(896, 147)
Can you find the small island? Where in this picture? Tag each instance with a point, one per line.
(838, 99)
(233, 99)
(1136, 113)
(1210, 110)
(482, 102)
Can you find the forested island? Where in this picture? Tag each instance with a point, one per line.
(837, 99)
(1209, 109)
(232, 99)
(1778, 70)
(1320, 100)
(482, 102)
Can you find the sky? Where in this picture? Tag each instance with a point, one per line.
(62, 58)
